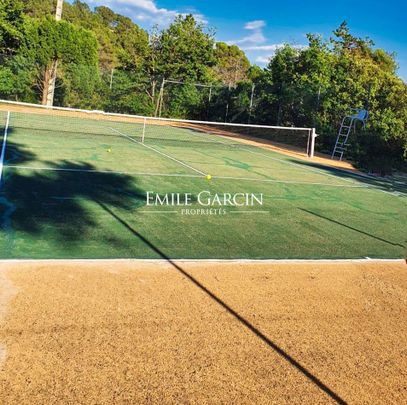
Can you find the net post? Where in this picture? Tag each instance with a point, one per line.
(312, 145)
(144, 129)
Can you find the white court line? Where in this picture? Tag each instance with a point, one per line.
(371, 260)
(159, 152)
(3, 148)
(369, 186)
(298, 165)
(241, 146)
(353, 181)
(59, 169)
(394, 193)
(205, 123)
(288, 182)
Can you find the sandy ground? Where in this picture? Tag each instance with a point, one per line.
(155, 332)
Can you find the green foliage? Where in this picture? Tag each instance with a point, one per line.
(17, 78)
(376, 154)
(232, 65)
(46, 40)
(318, 85)
(121, 42)
(39, 8)
(127, 95)
(105, 61)
(185, 101)
(11, 23)
(185, 51)
(73, 47)
(77, 86)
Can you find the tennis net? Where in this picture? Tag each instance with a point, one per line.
(62, 123)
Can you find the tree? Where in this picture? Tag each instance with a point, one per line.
(11, 25)
(313, 79)
(185, 51)
(282, 78)
(124, 57)
(101, 23)
(317, 85)
(109, 62)
(39, 8)
(366, 77)
(232, 65)
(46, 40)
(11, 36)
(344, 41)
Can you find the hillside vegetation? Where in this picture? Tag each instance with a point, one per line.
(106, 61)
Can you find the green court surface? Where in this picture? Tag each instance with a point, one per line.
(76, 188)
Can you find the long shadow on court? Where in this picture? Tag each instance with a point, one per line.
(56, 203)
(311, 377)
(18, 154)
(352, 228)
(385, 184)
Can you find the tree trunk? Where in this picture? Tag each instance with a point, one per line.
(48, 87)
(58, 11)
(50, 74)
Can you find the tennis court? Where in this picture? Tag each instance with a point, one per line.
(75, 187)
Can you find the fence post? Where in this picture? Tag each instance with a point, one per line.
(251, 103)
(161, 98)
(111, 78)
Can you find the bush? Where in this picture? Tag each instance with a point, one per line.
(376, 155)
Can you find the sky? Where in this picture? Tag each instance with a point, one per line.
(260, 26)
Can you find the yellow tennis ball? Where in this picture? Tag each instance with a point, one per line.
(109, 150)
(208, 177)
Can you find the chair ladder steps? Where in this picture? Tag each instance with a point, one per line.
(348, 122)
(341, 139)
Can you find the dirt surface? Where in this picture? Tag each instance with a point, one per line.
(154, 332)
